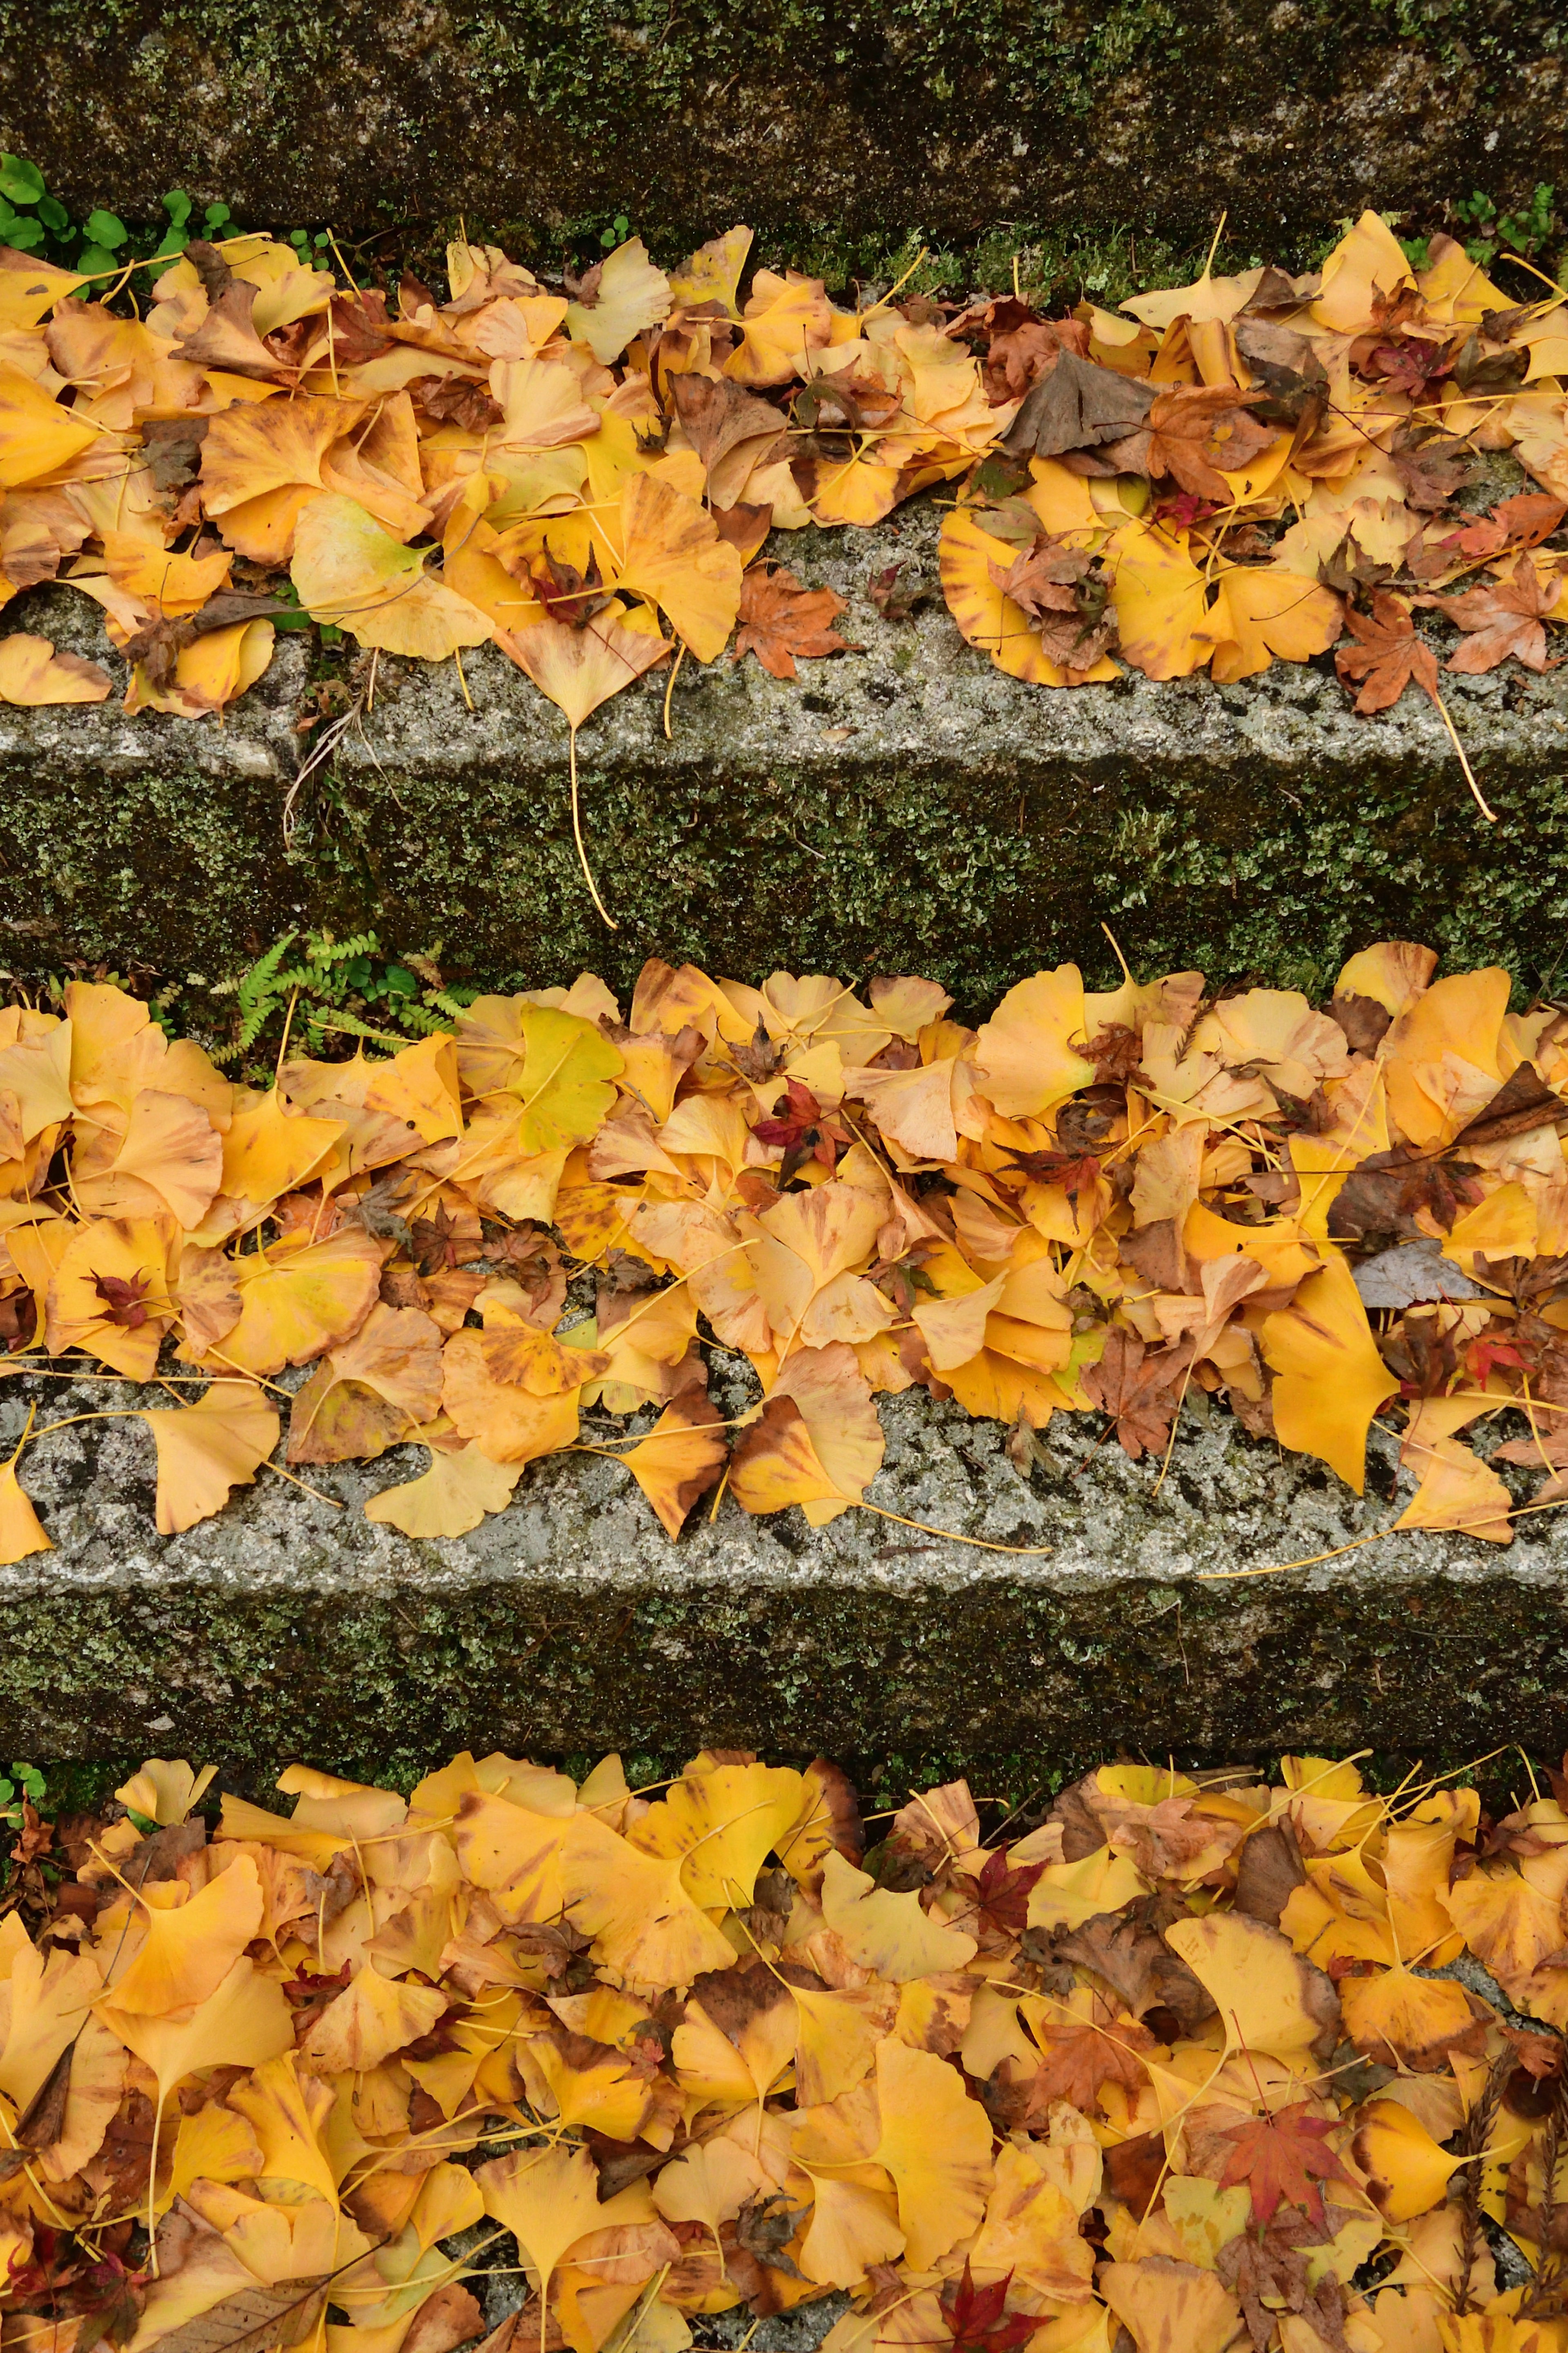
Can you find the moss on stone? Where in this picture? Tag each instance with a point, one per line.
(547, 117)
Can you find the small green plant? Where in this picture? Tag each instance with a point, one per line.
(25, 1782)
(36, 222)
(331, 986)
(620, 228)
(1527, 232)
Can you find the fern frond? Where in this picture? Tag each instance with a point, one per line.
(263, 972)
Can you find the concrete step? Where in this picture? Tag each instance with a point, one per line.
(288, 1628)
(906, 808)
(831, 129)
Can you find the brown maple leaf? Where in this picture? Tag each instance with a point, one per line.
(1381, 1197)
(1503, 618)
(1432, 466)
(780, 618)
(454, 400)
(1067, 594)
(1140, 1388)
(804, 1129)
(1265, 2270)
(1128, 1949)
(1388, 655)
(1192, 431)
(1001, 1900)
(1078, 2058)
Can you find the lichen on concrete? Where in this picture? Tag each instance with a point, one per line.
(902, 808)
(291, 1625)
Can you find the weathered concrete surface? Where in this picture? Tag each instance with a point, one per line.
(796, 115)
(285, 1627)
(905, 808)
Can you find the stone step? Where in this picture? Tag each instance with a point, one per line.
(287, 1628)
(829, 129)
(906, 807)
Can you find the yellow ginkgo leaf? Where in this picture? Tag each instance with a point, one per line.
(297, 1297)
(714, 272)
(110, 1293)
(165, 1789)
(1025, 1055)
(171, 1147)
(221, 666)
(176, 585)
(1169, 620)
(30, 288)
(633, 293)
(350, 572)
(36, 434)
(681, 1458)
(1269, 1999)
(936, 2144)
(1406, 2170)
(187, 1952)
(22, 1532)
(723, 1820)
(787, 318)
(450, 1498)
(1457, 1490)
(1368, 261)
(1169, 2306)
(635, 1907)
(33, 671)
(580, 668)
(709, 2185)
(511, 1424)
(547, 2197)
(1330, 1380)
(375, 2017)
(209, 1447)
(1273, 613)
(262, 465)
(243, 2022)
(886, 1933)
(673, 556)
(269, 1148)
(372, 1390)
(775, 1463)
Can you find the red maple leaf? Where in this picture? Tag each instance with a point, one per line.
(122, 1298)
(804, 1129)
(1282, 2160)
(1001, 1895)
(1485, 1356)
(977, 2321)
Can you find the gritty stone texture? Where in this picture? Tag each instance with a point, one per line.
(905, 808)
(794, 114)
(285, 1627)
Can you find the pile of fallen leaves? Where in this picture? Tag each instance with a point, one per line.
(504, 1240)
(1171, 2071)
(1220, 475)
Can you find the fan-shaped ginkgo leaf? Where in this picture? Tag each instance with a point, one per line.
(1273, 614)
(352, 572)
(33, 671)
(208, 1447)
(22, 1532)
(450, 1498)
(674, 557)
